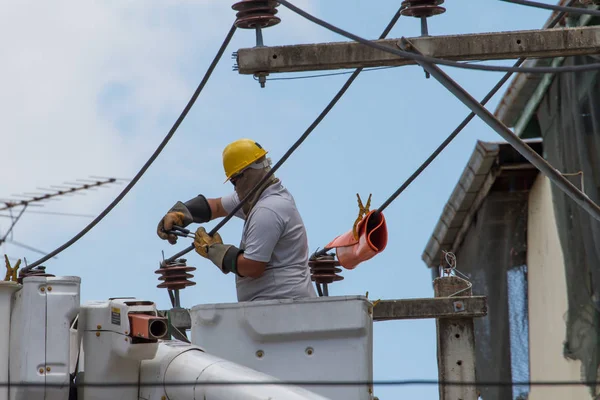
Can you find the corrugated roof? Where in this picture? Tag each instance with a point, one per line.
(489, 161)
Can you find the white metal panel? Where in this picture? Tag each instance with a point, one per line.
(103, 366)
(28, 340)
(110, 355)
(7, 290)
(62, 305)
(40, 337)
(323, 339)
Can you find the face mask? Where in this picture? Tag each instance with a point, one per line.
(247, 181)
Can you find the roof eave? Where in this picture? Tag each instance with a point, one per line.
(477, 179)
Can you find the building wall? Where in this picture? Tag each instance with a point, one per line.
(547, 293)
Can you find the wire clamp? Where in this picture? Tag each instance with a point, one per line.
(362, 212)
(11, 272)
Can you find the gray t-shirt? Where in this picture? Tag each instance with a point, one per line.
(274, 233)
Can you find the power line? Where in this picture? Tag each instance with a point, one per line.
(564, 9)
(289, 78)
(433, 60)
(298, 142)
(150, 160)
(398, 382)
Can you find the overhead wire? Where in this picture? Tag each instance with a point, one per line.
(289, 78)
(293, 148)
(434, 60)
(276, 382)
(454, 133)
(149, 162)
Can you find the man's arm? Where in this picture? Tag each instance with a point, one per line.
(216, 208)
(250, 268)
(263, 232)
(203, 210)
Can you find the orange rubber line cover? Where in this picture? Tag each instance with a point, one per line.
(372, 240)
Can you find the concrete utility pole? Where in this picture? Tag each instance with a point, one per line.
(456, 342)
(486, 46)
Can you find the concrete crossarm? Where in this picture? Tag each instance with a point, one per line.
(480, 46)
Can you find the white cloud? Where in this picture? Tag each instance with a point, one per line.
(74, 73)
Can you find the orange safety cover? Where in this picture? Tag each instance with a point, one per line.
(372, 240)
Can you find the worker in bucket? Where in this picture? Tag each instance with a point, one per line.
(272, 259)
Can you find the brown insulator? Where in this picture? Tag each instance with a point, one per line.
(39, 271)
(324, 269)
(422, 8)
(252, 14)
(175, 275)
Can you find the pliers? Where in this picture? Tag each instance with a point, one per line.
(180, 231)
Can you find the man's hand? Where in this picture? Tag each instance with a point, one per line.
(166, 224)
(224, 256)
(203, 241)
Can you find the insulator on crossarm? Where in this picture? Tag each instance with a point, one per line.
(422, 8)
(253, 14)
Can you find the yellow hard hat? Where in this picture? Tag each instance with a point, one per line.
(239, 155)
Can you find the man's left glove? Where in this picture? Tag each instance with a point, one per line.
(222, 255)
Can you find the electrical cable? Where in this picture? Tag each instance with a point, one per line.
(454, 133)
(289, 152)
(290, 78)
(150, 160)
(565, 9)
(399, 382)
(433, 60)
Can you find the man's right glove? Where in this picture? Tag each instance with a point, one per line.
(182, 214)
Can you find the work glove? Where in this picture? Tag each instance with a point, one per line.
(224, 256)
(177, 215)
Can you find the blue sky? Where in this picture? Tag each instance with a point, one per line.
(94, 95)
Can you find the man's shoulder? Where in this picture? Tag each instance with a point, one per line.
(279, 200)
